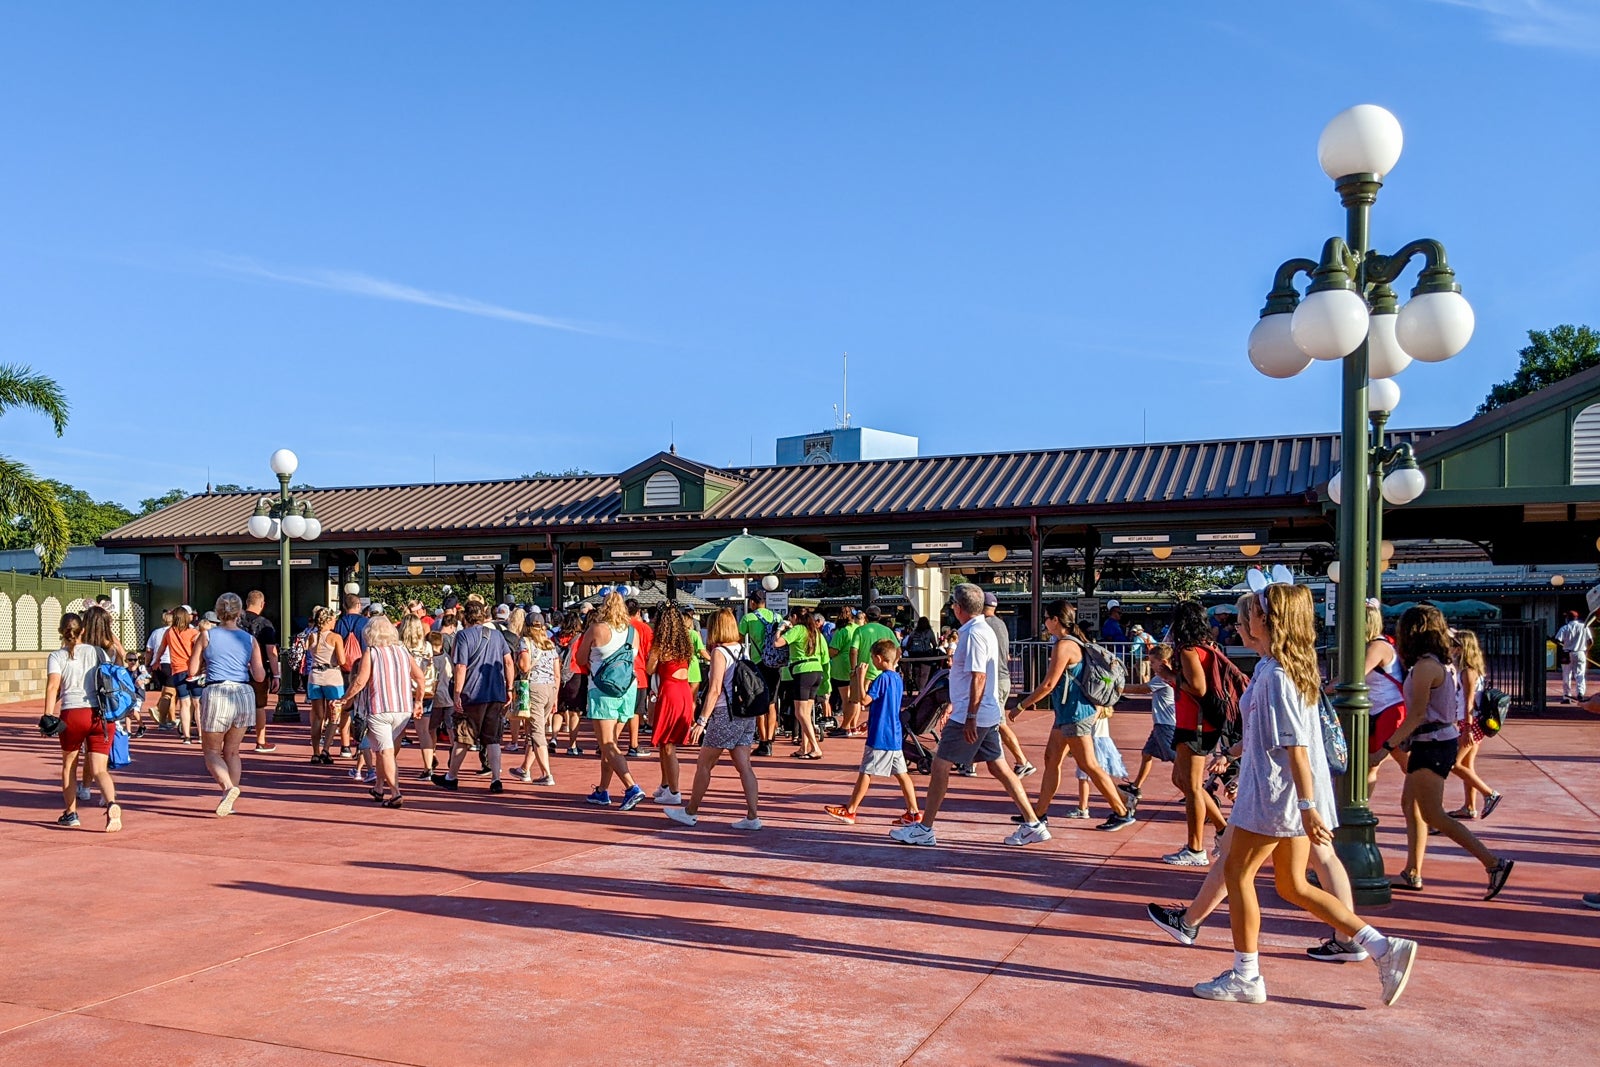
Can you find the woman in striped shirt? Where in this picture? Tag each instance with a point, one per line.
(395, 699)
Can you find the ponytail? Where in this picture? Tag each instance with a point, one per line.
(71, 630)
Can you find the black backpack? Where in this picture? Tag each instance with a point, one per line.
(747, 690)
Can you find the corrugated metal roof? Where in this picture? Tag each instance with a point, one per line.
(1055, 481)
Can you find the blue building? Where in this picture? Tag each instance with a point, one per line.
(844, 444)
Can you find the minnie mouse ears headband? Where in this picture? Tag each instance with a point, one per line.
(1259, 580)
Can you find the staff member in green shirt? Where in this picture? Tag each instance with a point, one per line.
(862, 669)
(844, 635)
(753, 629)
(808, 658)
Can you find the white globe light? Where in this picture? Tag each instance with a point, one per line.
(275, 531)
(1385, 357)
(1333, 572)
(770, 583)
(352, 587)
(1334, 490)
(1365, 139)
(1403, 485)
(260, 525)
(1273, 351)
(313, 529)
(294, 526)
(1329, 324)
(284, 461)
(1433, 327)
(1382, 395)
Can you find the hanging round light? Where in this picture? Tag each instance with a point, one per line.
(526, 565)
(1161, 552)
(414, 570)
(770, 583)
(1250, 550)
(586, 563)
(997, 553)
(920, 558)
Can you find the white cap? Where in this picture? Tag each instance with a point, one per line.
(1113, 604)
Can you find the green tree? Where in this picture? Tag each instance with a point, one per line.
(26, 499)
(87, 518)
(1184, 583)
(156, 503)
(1549, 357)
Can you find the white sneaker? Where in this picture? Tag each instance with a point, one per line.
(1395, 968)
(666, 796)
(915, 834)
(1187, 857)
(680, 815)
(747, 824)
(1232, 989)
(1024, 769)
(1029, 833)
(83, 794)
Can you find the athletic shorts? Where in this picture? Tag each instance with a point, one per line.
(955, 748)
(83, 726)
(1200, 742)
(1436, 756)
(1067, 726)
(1383, 726)
(575, 693)
(180, 682)
(480, 723)
(883, 762)
(805, 686)
(324, 692)
(1159, 744)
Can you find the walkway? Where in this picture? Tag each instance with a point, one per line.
(313, 928)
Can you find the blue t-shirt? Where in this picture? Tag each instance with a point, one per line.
(356, 624)
(883, 717)
(483, 651)
(1163, 710)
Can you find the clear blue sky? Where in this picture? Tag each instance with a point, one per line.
(518, 236)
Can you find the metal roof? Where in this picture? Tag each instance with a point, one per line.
(1274, 470)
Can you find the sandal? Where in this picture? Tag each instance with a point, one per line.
(809, 755)
(114, 821)
(395, 801)
(1463, 814)
(1410, 881)
(1498, 874)
(376, 794)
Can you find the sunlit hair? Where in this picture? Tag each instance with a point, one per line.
(435, 641)
(1290, 624)
(412, 633)
(538, 636)
(1374, 622)
(97, 628)
(1471, 652)
(71, 630)
(381, 632)
(181, 619)
(612, 611)
(322, 615)
(724, 629)
(1422, 632)
(229, 607)
(672, 642)
(517, 622)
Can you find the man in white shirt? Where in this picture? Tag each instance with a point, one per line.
(1574, 639)
(161, 673)
(972, 733)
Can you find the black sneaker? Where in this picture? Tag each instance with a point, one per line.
(1117, 822)
(1130, 797)
(1335, 951)
(1171, 920)
(1017, 818)
(633, 753)
(497, 786)
(764, 748)
(68, 818)
(446, 783)
(484, 770)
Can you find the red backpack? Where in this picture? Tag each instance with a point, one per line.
(1219, 708)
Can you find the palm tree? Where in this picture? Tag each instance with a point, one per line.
(25, 499)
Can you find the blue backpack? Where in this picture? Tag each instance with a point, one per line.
(113, 690)
(616, 674)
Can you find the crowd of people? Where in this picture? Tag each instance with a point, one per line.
(468, 685)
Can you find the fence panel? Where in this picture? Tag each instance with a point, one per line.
(31, 608)
(1514, 653)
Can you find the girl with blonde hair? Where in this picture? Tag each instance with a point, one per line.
(1384, 678)
(1470, 668)
(609, 633)
(719, 732)
(538, 662)
(325, 681)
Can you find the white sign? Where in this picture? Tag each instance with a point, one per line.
(778, 602)
(1203, 538)
(1138, 539)
(1089, 613)
(633, 553)
(931, 546)
(1593, 598)
(858, 549)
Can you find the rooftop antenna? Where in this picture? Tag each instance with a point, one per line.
(672, 438)
(843, 423)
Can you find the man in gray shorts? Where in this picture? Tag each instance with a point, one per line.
(972, 733)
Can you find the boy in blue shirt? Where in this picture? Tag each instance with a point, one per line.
(884, 756)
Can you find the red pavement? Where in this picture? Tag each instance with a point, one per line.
(315, 928)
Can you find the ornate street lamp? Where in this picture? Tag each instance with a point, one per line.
(284, 520)
(1349, 314)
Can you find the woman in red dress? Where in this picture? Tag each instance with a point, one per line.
(669, 661)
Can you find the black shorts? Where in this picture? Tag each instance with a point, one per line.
(1200, 742)
(160, 678)
(772, 677)
(1436, 756)
(575, 693)
(805, 686)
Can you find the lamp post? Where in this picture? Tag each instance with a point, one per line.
(283, 521)
(1348, 315)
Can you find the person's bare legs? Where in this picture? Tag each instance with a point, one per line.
(186, 717)
(806, 726)
(388, 773)
(667, 754)
(1424, 797)
(100, 768)
(1188, 774)
(612, 760)
(1055, 753)
(938, 784)
(224, 771)
(1472, 783)
(69, 780)
(747, 779)
(702, 776)
(908, 789)
(1013, 747)
(1013, 786)
(1214, 890)
(1082, 749)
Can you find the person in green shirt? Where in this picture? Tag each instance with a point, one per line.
(808, 665)
(753, 629)
(698, 643)
(844, 633)
(862, 669)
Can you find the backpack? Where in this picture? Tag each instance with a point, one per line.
(113, 690)
(1493, 707)
(616, 675)
(1334, 745)
(1102, 676)
(121, 754)
(299, 652)
(747, 690)
(1225, 684)
(430, 674)
(772, 655)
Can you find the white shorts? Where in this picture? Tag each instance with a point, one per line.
(227, 706)
(383, 727)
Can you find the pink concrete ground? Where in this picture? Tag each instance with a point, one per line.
(316, 928)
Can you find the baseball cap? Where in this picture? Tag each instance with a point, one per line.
(990, 600)
(211, 616)
(1113, 604)
(535, 610)
(502, 611)
(873, 612)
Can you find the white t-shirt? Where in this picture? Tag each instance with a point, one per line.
(154, 643)
(1163, 707)
(976, 651)
(1575, 637)
(74, 669)
(1278, 717)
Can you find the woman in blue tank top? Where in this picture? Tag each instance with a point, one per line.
(230, 660)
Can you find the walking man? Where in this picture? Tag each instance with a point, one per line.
(1575, 640)
(260, 627)
(972, 733)
(485, 678)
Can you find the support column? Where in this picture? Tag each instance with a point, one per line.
(361, 571)
(499, 584)
(672, 588)
(555, 577)
(1036, 574)
(1089, 581)
(1375, 515)
(866, 582)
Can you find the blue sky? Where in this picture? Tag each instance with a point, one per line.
(492, 238)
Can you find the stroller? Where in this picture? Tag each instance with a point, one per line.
(923, 717)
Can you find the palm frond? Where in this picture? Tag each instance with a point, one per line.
(23, 387)
(34, 501)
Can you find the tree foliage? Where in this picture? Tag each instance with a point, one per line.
(1549, 357)
(156, 503)
(87, 518)
(1183, 583)
(25, 499)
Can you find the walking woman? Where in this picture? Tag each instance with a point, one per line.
(1470, 667)
(326, 681)
(230, 659)
(414, 639)
(808, 660)
(66, 697)
(1285, 801)
(1075, 718)
(609, 632)
(1383, 687)
(392, 680)
(1192, 741)
(719, 732)
(574, 697)
(671, 653)
(543, 662)
(1431, 739)
(178, 644)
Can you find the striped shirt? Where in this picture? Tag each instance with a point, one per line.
(390, 683)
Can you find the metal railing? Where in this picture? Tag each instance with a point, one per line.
(1030, 661)
(1514, 655)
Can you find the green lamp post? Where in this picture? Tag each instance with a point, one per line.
(284, 521)
(1349, 315)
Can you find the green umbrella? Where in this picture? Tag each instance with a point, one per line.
(743, 555)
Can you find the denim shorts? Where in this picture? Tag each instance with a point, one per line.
(324, 692)
(181, 685)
